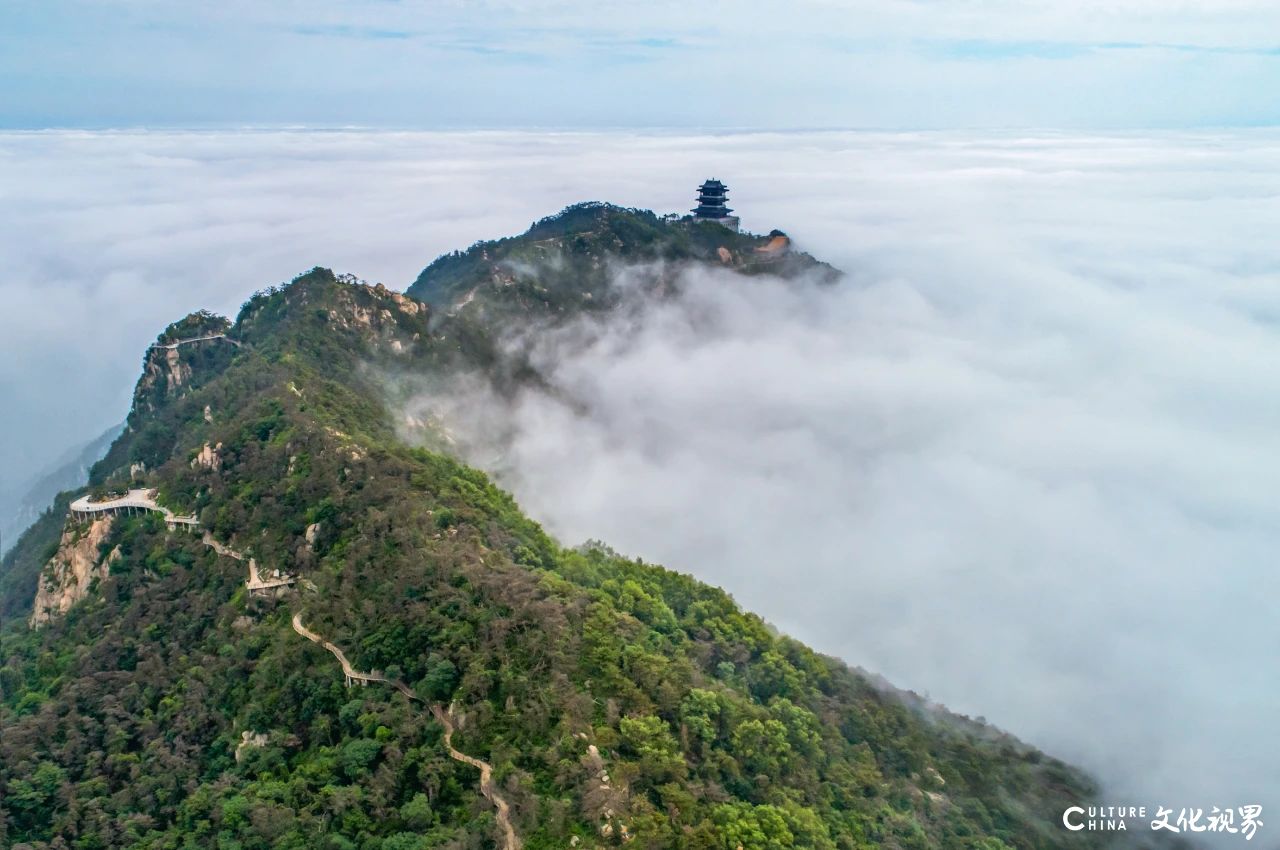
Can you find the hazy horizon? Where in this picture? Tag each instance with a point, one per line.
(563, 63)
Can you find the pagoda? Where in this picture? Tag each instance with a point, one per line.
(711, 205)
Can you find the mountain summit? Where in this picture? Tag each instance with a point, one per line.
(566, 260)
(271, 623)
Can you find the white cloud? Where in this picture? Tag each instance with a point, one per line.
(1024, 460)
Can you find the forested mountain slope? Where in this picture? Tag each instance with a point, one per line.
(616, 701)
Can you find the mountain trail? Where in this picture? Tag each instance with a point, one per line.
(511, 841)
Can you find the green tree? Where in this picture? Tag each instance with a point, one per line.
(700, 712)
(741, 824)
(440, 681)
(417, 813)
(32, 800)
(357, 755)
(761, 746)
(650, 740)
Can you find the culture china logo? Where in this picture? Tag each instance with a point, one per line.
(1243, 821)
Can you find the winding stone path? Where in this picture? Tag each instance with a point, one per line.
(352, 674)
(511, 841)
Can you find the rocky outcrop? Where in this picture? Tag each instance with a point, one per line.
(250, 740)
(386, 319)
(175, 371)
(186, 351)
(602, 799)
(70, 572)
(406, 304)
(207, 457)
(777, 245)
(163, 374)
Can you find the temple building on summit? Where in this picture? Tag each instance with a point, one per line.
(712, 196)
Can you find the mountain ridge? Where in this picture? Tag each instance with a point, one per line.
(617, 702)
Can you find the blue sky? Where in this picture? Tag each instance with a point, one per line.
(575, 64)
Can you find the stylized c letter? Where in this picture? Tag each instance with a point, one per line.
(1066, 819)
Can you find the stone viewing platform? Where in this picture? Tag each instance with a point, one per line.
(256, 584)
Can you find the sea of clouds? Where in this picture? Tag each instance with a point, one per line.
(1023, 460)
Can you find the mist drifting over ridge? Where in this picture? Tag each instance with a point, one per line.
(918, 503)
(1022, 460)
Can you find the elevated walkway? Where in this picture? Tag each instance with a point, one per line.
(131, 503)
(351, 674)
(171, 346)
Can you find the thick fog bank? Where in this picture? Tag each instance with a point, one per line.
(990, 517)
